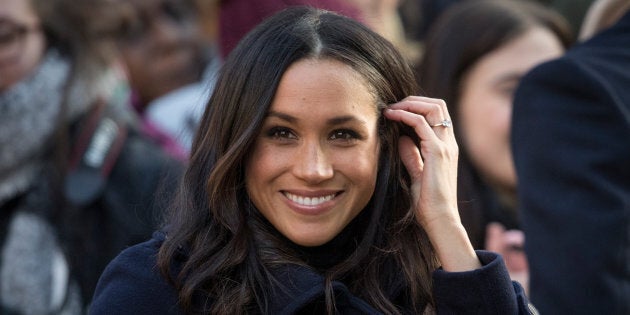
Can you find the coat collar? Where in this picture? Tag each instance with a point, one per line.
(299, 289)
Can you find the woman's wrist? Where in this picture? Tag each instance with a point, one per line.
(452, 246)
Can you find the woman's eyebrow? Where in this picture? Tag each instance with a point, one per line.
(332, 121)
(282, 116)
(344, 119)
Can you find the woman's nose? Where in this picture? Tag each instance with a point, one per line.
(312, 163)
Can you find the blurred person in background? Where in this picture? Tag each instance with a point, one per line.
(384, 17)
(170, 62)
(570, 134)
(474, 57)
(418, 15)
(237, 17)
(77, 180)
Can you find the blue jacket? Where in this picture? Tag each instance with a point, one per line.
(132, 284)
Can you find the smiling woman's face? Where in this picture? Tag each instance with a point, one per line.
(313, 167)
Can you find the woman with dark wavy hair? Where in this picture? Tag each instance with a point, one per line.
(316, 184)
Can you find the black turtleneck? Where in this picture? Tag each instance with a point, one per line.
(327, 255)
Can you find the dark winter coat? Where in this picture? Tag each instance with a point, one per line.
(132, 284)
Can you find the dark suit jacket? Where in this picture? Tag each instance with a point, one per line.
(571, 143)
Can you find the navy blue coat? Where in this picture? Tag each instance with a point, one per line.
(571, 143)
(131, 284)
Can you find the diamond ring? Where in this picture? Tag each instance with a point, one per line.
(444, 123)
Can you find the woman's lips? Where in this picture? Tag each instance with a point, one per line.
(311, 205)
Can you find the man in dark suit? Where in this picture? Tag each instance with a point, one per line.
(571, 143)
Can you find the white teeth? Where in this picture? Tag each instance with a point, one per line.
(308, 201)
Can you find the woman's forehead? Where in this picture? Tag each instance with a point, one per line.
(324, 84)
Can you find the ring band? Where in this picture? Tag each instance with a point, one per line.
(444, 123)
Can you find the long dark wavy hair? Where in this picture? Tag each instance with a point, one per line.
(230, 248)
(459, 38)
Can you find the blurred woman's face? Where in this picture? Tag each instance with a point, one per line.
(313, 167)
(22, 43)
(162, 46)
(485, 107)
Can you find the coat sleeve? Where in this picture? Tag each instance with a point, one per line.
(132, 284)
(487, 290)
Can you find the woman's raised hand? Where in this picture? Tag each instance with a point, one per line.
(433, 170)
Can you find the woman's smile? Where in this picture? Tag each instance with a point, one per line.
(311, 204)
(309, 201)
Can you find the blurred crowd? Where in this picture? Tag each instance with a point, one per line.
(100, 100)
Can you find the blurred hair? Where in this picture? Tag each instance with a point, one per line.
(80, 29)
(134, 16)
(602, 14)
(466, 32)
(213, 217)
(469, 30)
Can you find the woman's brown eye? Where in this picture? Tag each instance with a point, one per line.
(344, 134)
(280, 132)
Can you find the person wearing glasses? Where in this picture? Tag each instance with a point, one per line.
(77, 178)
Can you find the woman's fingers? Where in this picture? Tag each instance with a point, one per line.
(423, 114)
(433, 108)
(410, 156)
(416, 121)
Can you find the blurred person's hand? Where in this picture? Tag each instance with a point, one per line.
(510, 244)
